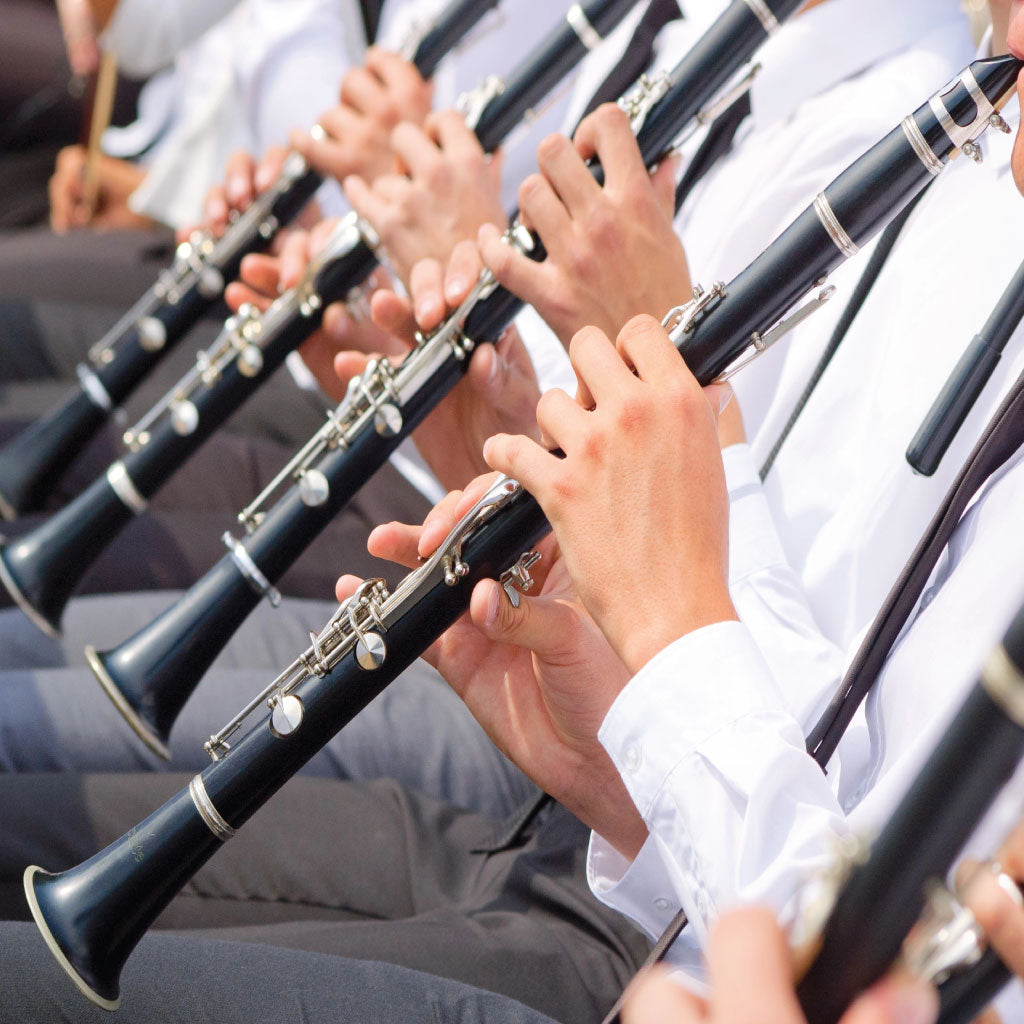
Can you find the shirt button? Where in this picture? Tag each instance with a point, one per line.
(702, 904)
(662, 904)
(632, 758)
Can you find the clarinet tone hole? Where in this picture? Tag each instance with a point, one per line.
(184, 418)
(286, 716)
(152, 334)
(314, 488)
(387, 420)
(370, 651)
(250, 361)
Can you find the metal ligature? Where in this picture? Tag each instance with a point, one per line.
(151, 675)
(93, 915)
(31, 464)
(42, 568)
(904, 871)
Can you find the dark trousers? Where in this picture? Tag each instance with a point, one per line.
(367, 871)
(178, 538)
(188, 979)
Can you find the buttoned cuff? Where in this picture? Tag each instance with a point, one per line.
(753, 540)
(685, 694)
(639, 888)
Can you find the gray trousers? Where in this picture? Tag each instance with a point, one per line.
(366, 871)
(194, 980)
(56, 718)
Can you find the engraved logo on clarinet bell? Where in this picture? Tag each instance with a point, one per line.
(250, 361)
(370, 651)
(135, 846)
(286, 716)
(313, 488)
(184, 417)
(152, 334)
(387, 420)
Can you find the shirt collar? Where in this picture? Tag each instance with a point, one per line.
(837, 40)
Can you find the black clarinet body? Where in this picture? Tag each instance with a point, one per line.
(883, 897)
(963, 997)
(119, 893)
(369, 641)
(261, 343)
(152, 673)
(42, 568)
(965, 383)
(31, 464)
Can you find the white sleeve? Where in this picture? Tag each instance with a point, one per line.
(769, 598)
(715, 763)
(146, 35)
(298, 77)
(709, 740)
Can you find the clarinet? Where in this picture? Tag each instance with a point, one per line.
(42, 568)
(151, 675)
(965, 383)
(94, 914)
(31, 464)
(884, 895)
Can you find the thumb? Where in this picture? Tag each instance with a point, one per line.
(350, 364)
(488, 373)
(542, 625)
(719, 395)
(663, 181)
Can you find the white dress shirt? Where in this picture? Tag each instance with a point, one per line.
(709, 736)
(832, 82)
(245, 73)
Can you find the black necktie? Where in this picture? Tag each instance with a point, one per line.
(857, 299)
(638, 55)
(1001, 439)
(371, 18)
(716, 144)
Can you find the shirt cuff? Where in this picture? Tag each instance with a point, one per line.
(640, 888)
(685, 694)
(753, 540)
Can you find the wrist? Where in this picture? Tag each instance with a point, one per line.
(599, 798)
(642, 641)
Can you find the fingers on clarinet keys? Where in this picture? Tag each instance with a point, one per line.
(948, 938)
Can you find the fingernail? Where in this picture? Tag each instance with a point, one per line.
(237, 187)
(216, 209)
(498, 368)
(724, 399)
(455, 289)
(263, 179)
(425, 308)
(491, 615)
